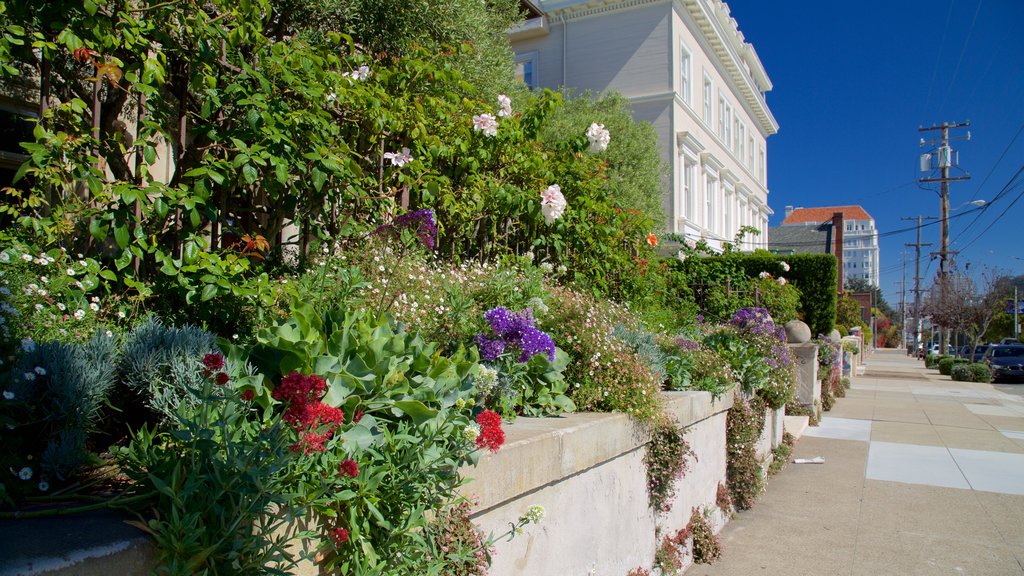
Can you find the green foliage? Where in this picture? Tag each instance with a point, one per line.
(157, 365)
(701, 369)
(666, 462)
(781, 454)
(218, 481)
(848, 312)
(743, 470)
(931, 360)
(815, 275)
(635, 173)
(53, 396)
(781, 300)
(980, 372)
(706, 547)
(946, 364)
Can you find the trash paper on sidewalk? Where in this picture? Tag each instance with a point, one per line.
(815, 460)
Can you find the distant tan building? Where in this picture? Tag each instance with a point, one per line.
(860, 237)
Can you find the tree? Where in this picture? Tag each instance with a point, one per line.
(955, 302)
(862, 285)
(635, 171)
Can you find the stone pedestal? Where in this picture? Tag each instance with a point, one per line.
(808, 386)
(778, 422)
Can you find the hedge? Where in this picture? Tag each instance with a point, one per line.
(816, 275)
(946, 364)
(964, 372)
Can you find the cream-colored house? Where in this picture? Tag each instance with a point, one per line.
(687, 69)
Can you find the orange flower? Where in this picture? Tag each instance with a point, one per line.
(652, 239)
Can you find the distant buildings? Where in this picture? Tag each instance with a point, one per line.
(809, 230)
(687, 69)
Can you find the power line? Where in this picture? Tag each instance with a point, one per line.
(960, 61)
(938, 57)
(1001, 214)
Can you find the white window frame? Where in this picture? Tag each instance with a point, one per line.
(533, 59)
(685, 73)
(709, 94)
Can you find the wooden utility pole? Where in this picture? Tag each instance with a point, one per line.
(917, 281)
(945, 160)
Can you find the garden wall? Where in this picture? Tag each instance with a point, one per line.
(587, 471)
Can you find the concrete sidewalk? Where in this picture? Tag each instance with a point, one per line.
(922, 475)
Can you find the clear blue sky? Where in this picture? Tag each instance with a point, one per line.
(853, 81)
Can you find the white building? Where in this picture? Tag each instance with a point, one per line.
(860, 237)
(687, 69)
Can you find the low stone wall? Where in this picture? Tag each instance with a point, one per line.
(587, 471)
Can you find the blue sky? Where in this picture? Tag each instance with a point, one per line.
(853, 81)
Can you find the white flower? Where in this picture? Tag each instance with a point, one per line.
(79, 314)
(44, 486)
(552, 203)
(61, 306)
(28, 346)
(764, 275)
(44, 279)
(533, 515)
(547, 267)
(332, 97)
(781, 281)
(25, 473)
(83, 263)
(486, 123)
(599, 137)
(29, 376)
(120, 314)
(26, 257)
(681, 256)
(505, 104)
(691, 244)
(71, 271)
(529, 256)
(562, 269)
(42, 292)
(361, 73)
(38, 307)
(94, 299)
(32, 287)
(40, 370)
(399, 158)
(784, 266)
(470, 433)
(45, 261)
(109, 334)
(4, 257)
(8, 395)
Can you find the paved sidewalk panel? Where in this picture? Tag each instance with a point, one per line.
(922, 476)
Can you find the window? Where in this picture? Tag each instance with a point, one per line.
(736, 135)
(526, 69)
(750, 153)
(685, 78)
(707, 99)
(762, 173)
(689, 188)
(743, 143)
(710, 197)
(722, 120)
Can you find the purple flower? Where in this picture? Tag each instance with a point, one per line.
(536, 342)
(490, 349)
(421, 222)
(687, 344)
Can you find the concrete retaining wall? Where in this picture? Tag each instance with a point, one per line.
(587, 471)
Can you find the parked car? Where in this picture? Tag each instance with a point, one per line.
(1009, 341)
(1005, 361)
(979, 352)
(963, 352)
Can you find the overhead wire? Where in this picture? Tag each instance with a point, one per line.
(963, 51)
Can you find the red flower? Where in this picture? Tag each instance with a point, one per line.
(349, 468)
(357, 416)
(491, 435)
(488, 418)
(652, 239)
(314, 421)
(248, 395)
(491, 438)
(221, 378)
(213, 361)
(339, 535)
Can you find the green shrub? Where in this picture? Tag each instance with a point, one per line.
(53, 396)
(946, 364)
(980, 373)
(666, 462)
(706, 547)
(815, 275)
(931, 361)
(961, 372)
(743, 470)
(691, 366)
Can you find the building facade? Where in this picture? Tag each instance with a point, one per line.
(860, 237)
(687, 70)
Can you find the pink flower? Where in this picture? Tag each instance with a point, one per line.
(552, 203)
(339, 535)
(486, 123)
(505, 105)
(399, 158)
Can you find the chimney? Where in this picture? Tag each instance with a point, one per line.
(837, 225)
(789, 210)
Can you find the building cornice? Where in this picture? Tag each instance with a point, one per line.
(576, 9)
(737, 56)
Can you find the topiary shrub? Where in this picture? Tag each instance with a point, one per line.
(980, 372)
(946, 364)
(961, 372)
(931, 361)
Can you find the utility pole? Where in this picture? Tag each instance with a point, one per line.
(945, 160)
(903, 301)
(917, 281)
